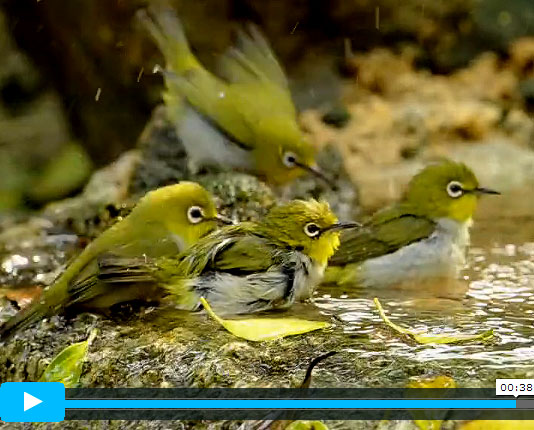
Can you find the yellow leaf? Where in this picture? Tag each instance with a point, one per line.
(440, 381)
(423, 419)
(446, 338)
(67, 366)
(432, 338)
(261, 329)
(307, 425)
(428, 424)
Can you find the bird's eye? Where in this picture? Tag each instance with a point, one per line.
(289, 159)
(454, 189)
(311, 229)
(195, 214)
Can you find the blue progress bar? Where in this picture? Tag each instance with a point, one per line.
(292, 404)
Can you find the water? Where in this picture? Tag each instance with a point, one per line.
(496, 292)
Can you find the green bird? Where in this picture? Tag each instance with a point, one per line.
(165, 221)
(250, 267)
(425, 235)
(244, 120)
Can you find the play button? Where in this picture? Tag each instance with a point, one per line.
(30, 401)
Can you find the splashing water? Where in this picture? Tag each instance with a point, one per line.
(496, 292)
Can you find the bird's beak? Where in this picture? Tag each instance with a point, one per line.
(343, 226)
(482, 190)
(221, 219)
(316, 172)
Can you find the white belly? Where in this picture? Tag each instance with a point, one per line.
(205, 146)
(441, 255)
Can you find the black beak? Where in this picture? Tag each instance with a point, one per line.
(221, 219)
(314, 171)
(343, 226)
(481, 190)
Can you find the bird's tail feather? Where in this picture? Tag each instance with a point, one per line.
(167, 31)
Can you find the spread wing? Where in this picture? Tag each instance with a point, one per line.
(252, 60)
(382, 235)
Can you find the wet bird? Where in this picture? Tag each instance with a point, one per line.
(425, 235)
(165, 221)
(245, 120)
(250, 267)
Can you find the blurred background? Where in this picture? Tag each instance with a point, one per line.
(384, 80)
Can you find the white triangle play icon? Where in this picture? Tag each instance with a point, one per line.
(30, 401)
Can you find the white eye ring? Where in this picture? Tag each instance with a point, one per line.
(455, 189)
(195, 214)
(312, 230)
(289, 159)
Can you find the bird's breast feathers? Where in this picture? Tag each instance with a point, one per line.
(308, 276)
(442, 254)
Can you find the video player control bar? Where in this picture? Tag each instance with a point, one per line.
(50, 402)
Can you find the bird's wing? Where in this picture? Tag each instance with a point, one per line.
(250, 254)
(255, 88)
(152, 245)
(116, 269)
(252, 60)
(215, 102)
(119, 264)
(186, 79)
(233, 250)
(106, 273)
(382, 235)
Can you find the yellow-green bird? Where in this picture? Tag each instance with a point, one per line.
(165, 221)
(250, 267)
(425, 235)
(245, 120)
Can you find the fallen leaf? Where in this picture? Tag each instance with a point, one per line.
(426, 420)
(440, 381)
(261, 329)
(307, 425)
(428, 424)
(425, 338)
(66, 367)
